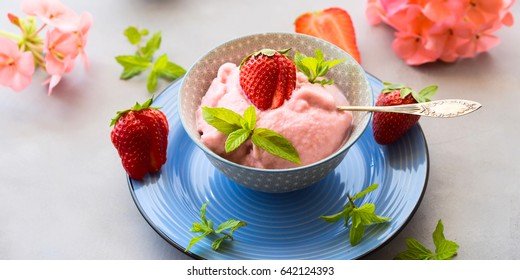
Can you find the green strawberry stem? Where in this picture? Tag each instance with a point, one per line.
(137, 107)
(267, 52)
(424, 95)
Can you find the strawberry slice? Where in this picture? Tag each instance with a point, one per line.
(333, 25)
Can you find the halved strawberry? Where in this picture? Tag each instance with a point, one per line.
(389, 127)
(333, 25)
(268, 78)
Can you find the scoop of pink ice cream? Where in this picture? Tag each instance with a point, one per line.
(309, 120)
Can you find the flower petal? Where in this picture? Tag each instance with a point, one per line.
(411, 48)
(53, 82)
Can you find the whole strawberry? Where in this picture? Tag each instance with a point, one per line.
(389, 127)
(268, 78)
(140, 135)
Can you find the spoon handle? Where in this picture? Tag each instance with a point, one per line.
(447, 108)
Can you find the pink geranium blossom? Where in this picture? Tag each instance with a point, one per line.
(411, 48)
(62, 48)
(16, 67)
(445, 30)
(51, 12)
(480, 41)
(65, 40)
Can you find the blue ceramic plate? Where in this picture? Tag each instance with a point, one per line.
(287, 225)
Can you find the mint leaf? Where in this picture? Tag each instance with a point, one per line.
(224, 120)
(298, 60)
(132, 65)
(361, 216)
(444, 249)
(236, 138)
(362, 194)
(133, 35)
(357, 230)
(239, 129)
(151, 82)
(143, 59)
(202, 212)
(275, 144)
(235, 227)
(216, 244)
(196, 239)
(162, 68)
(160, 63)
(333, 218)
(366, 214)
(206, 227)
(345, 214)
(197, 227)
(153, 76)
(231, 225)
(171, 71)
(250, 118)
(416, 251)
(315, 67)
(152, 45)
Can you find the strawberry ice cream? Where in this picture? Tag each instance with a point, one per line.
(309, 120)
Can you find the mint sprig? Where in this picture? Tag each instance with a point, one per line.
(424, 95)
(315, 67)
(240, 128)
(143, 59)
(206, 227)
(361, 216)
(444, 249)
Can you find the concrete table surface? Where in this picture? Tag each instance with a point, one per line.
(63, 192)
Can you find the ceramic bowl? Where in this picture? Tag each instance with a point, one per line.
(349, 76)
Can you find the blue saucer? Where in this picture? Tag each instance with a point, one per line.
(287, 225)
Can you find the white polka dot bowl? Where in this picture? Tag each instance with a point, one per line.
(348, 76)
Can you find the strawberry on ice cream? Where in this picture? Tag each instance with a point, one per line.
(308, 118)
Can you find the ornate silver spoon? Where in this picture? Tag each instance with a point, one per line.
(447, 108)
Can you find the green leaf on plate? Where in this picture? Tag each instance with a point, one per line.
(361, 216)
(206, 228)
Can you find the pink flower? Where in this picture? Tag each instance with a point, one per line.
(445, 38)
(430, 30)
(16, 67)
(51, 12)
(374, 12)
(506, 16)
(480, 41)
(480, 12)
(444, 10)
(66, 38)
(62, 48)
(411, 48)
